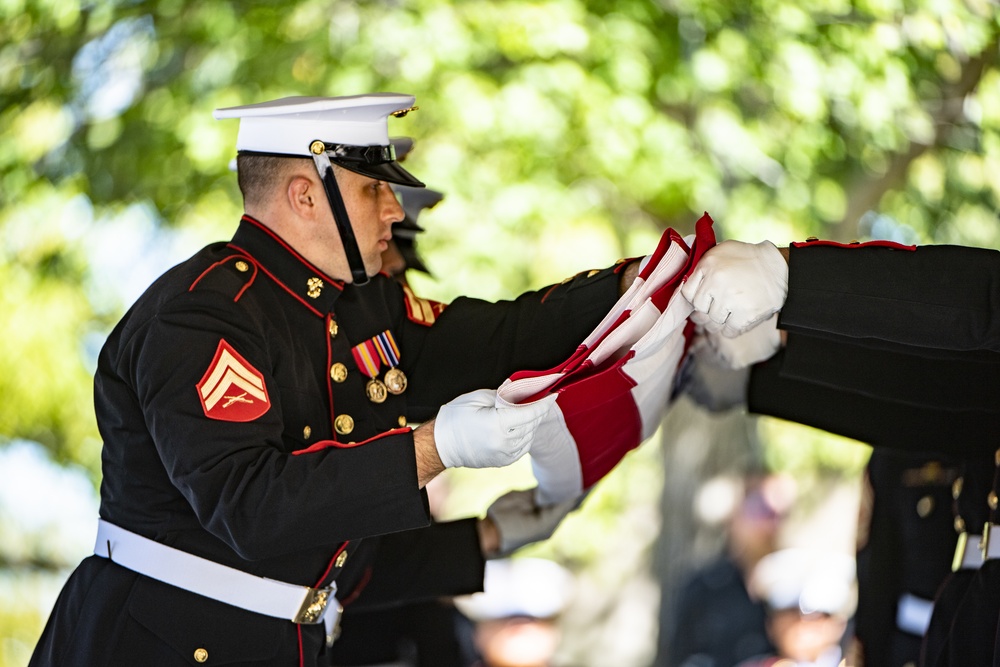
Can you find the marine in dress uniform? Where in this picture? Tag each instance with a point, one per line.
(258, 470)
(898, 346)
(905, 549)
(718, 621)
(960, 599)
(809, 596)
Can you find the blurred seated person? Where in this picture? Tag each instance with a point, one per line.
(516, 615)
(809, 597)
(717, 621)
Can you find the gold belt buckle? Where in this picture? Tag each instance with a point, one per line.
(313, 606)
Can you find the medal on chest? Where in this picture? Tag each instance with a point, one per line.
(370, 356)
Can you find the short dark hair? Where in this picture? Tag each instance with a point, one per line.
(259, 175)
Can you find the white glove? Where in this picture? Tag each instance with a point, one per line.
(472, 432)
(736, 286)
(520, 520)
(755, 345)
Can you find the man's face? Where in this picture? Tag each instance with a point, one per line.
(372, 207)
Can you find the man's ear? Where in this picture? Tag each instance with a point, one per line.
(302, 196)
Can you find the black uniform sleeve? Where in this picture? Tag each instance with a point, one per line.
(900, 374)
(889, 346)
(476, 344)
(867, 418)
(938, 297)
(440, 561)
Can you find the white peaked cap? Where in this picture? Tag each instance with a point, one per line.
(289, 125)
(808, 580)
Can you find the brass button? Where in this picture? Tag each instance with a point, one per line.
(956, 487)
(333, 328)
(200, 655)
(996, 457)
(314, 287)
(338, 372)
(959, 524)
(992, 500)
(402, 420)
(242, 266)
(592, 273)
(306, 432)
(341, 559)
(812, 238)
(925, 506)
(344, 424)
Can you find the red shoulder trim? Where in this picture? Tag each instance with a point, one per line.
(283, 286)
(231, 258)
(866, 244)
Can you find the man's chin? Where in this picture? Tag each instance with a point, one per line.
(373, 268)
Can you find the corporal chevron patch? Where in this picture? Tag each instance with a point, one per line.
(232, 389)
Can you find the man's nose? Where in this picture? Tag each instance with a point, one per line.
(393, 211)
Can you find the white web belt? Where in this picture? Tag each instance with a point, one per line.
(291, 602)
(974, 550)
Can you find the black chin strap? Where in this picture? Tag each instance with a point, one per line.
(354, 260)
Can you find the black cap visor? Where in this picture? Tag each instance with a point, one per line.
(391, 172)
(378, 162)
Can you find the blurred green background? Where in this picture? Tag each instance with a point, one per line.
(565, 134)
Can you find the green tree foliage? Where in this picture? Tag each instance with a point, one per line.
(565, 134)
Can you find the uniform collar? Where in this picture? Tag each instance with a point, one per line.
(313, 288)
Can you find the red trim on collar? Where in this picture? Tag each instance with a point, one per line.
(280, 284)
(548, 292)
(339, 284)
(867, 244)
(327, 444)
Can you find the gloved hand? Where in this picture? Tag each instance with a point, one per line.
(521, 521)
(755, 345)
(472, 432)
(736, 286)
